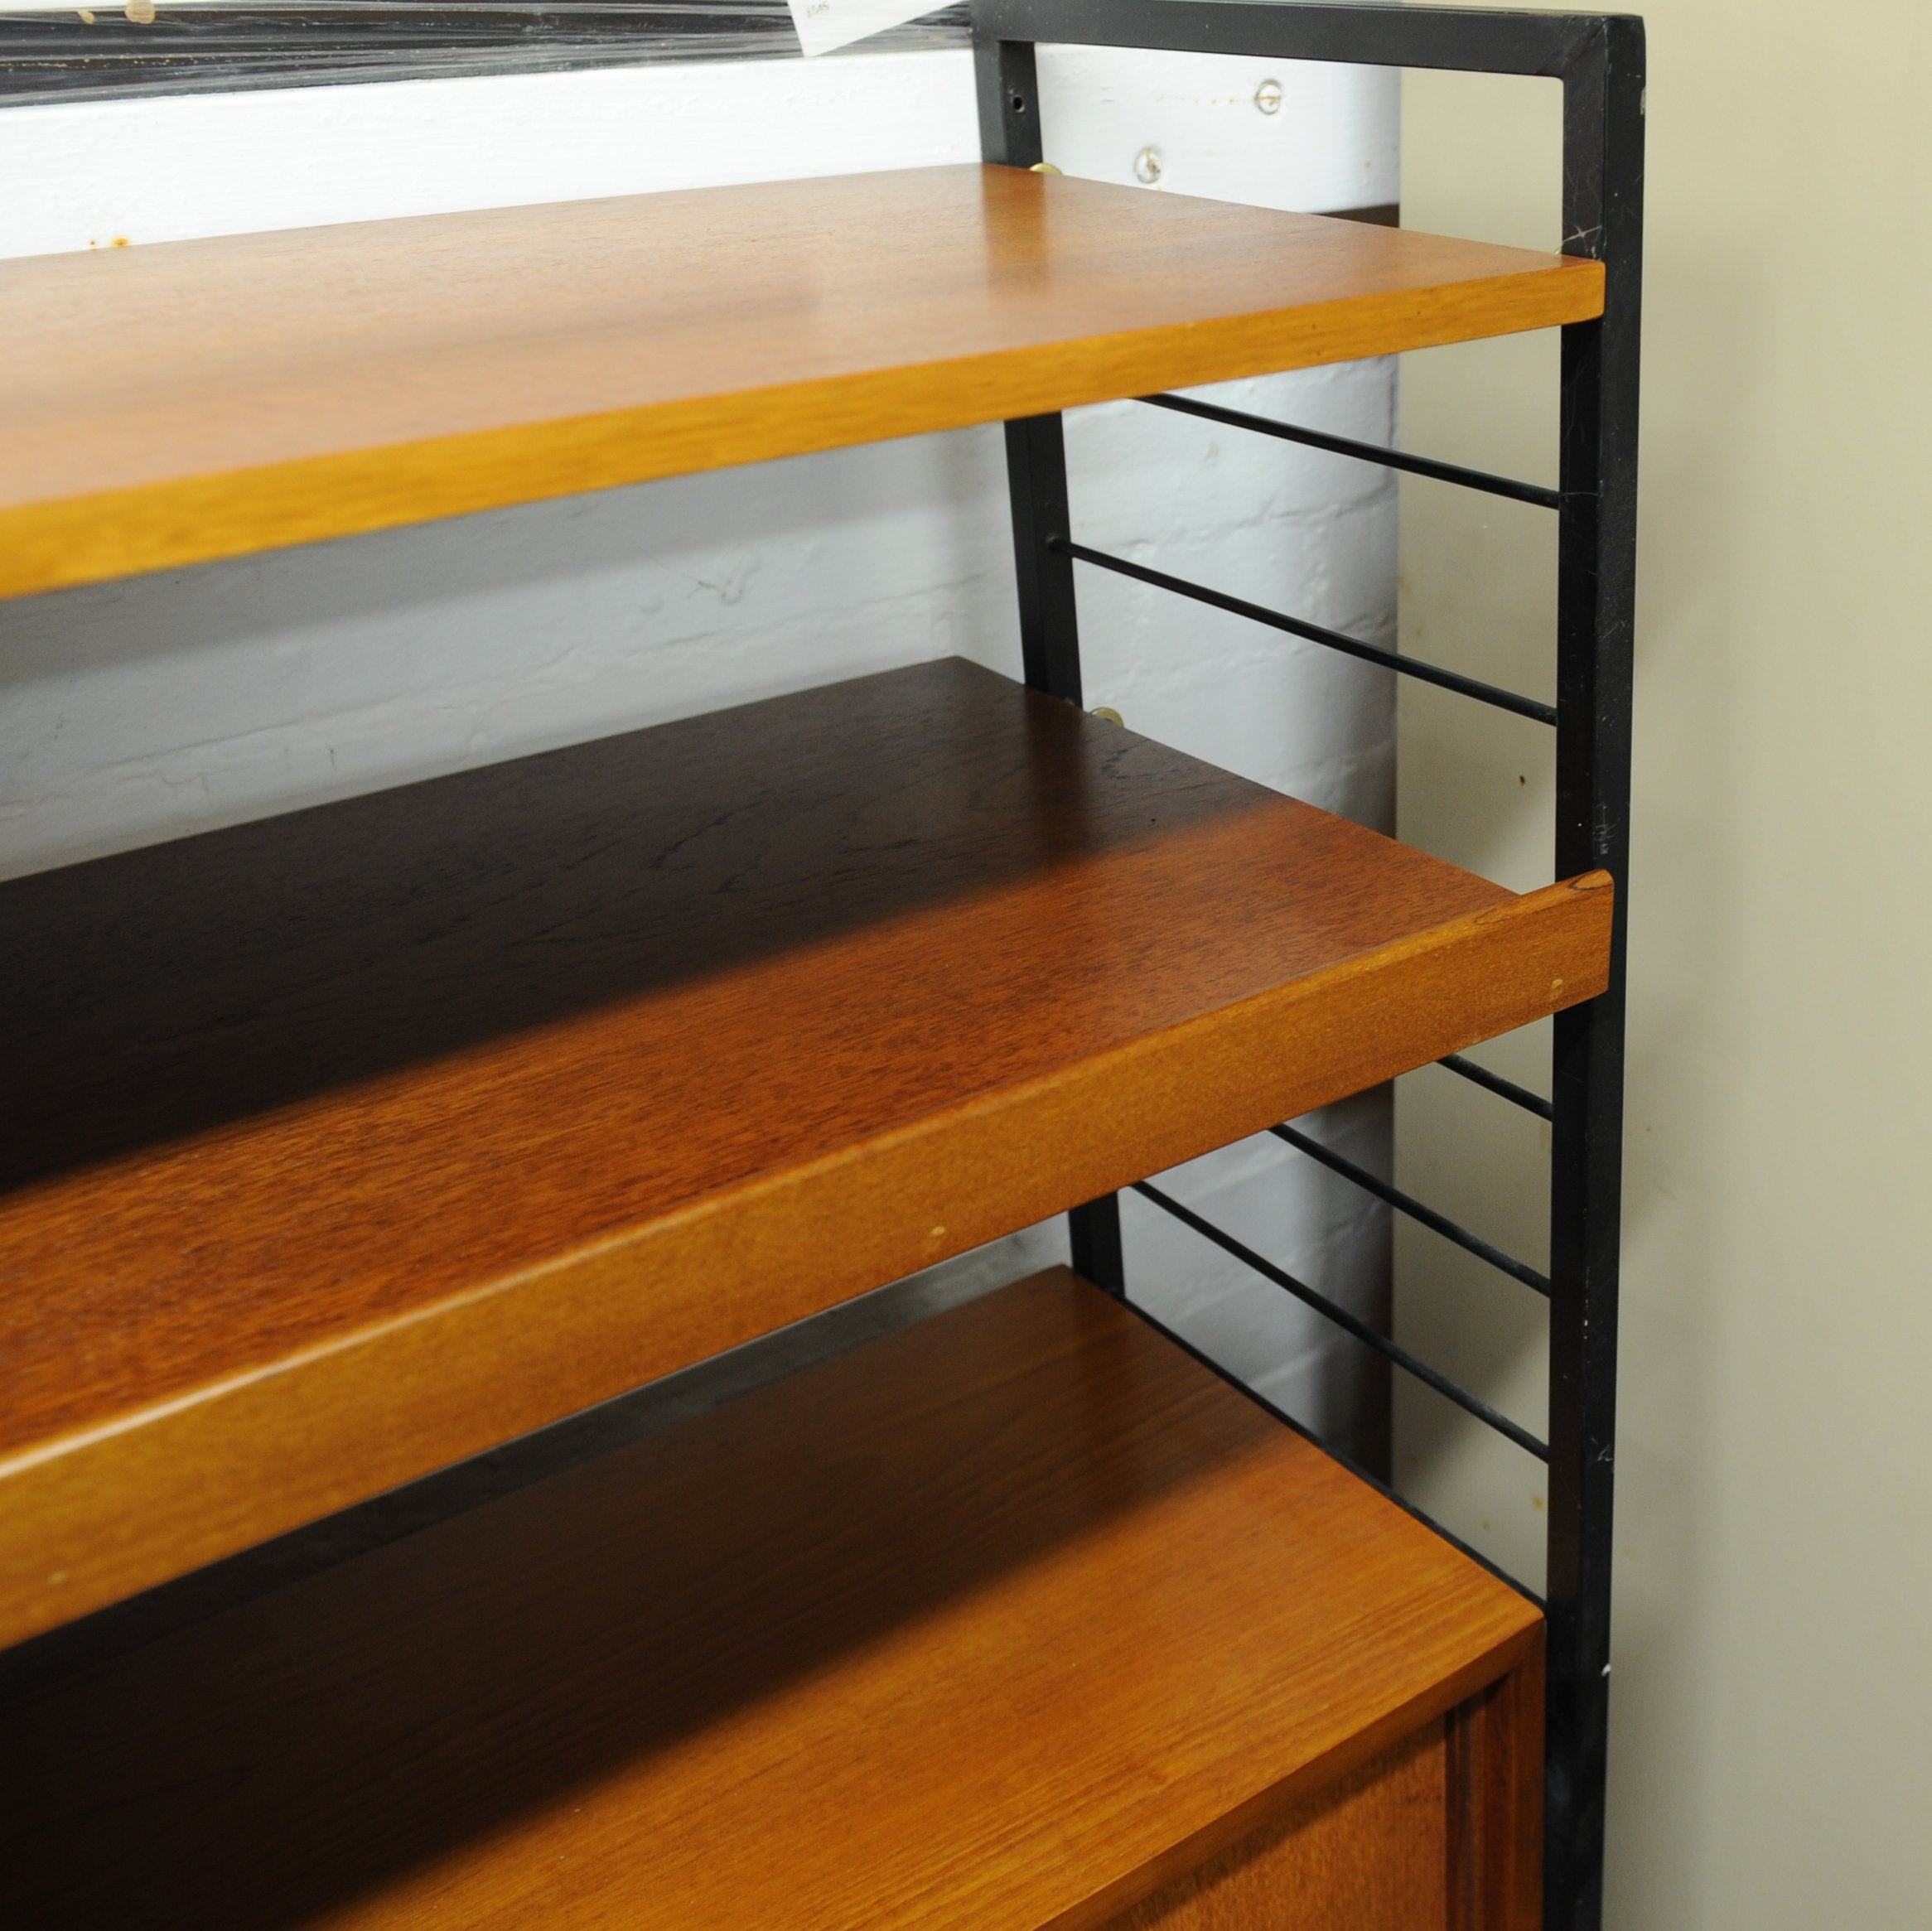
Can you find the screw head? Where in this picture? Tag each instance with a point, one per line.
(1146, 166)
(1268, 97)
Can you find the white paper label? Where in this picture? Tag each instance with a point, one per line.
(825, 24)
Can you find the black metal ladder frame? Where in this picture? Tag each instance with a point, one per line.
(1599, 59)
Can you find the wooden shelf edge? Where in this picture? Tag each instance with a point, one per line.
(95, 1518)
(1054, 335)
(123, 532)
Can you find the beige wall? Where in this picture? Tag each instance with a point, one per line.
(1772, 1740)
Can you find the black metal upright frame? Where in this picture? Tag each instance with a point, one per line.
(1599, 59)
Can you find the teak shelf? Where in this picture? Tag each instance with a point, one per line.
(358, 1140)
(314, 383)
(1008, 1620)
(339, 1149)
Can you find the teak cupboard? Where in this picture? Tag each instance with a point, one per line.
(348, 1146)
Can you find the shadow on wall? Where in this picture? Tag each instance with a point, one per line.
(139, 710)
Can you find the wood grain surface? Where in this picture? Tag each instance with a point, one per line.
(343, 1145)
(1368, 1852)
(168, 404)
(1496, 1765)
(1006, 1620)
(1442, 1832)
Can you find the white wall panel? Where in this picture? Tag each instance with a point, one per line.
(84, 174)
(1294, 134)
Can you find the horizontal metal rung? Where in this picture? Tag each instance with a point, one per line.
(1472, 1404)
(1407, 1203)
(1328, 1449)
(1430, 673)
(1389, 459)
(1495, 1082)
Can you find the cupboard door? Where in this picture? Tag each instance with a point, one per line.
(1439, 1833)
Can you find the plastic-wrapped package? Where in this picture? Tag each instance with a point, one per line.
(150, 46)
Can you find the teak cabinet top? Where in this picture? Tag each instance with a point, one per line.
(167, 405)
(991, 1625)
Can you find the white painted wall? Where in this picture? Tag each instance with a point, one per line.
(135, 712)
(82, 174)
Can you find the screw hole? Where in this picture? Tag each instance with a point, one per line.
(1019, 103)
